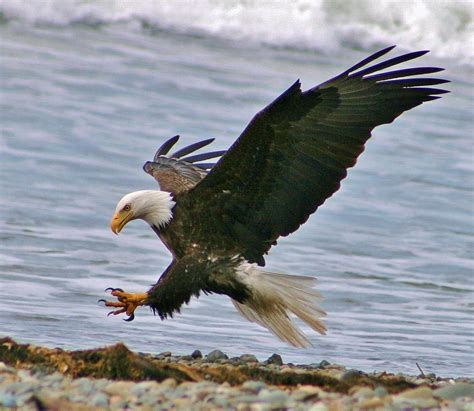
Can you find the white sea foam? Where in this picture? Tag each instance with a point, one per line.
(444, 26)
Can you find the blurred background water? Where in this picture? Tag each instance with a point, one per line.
(90, 89)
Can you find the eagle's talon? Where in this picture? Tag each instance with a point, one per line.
(116, 312)
(131, 318)
(101, 301)
(126, 302)
(113, 289)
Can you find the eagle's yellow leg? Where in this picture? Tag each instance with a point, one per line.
(126, 302)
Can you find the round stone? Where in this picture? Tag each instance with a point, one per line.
(248, 358)
(216, 355)
(324, 364)
(275, 359)
(454, 391)
(380, 392)
(350, 374)
(99, 400)
(254, 386)
(8, 400)
(196, 354)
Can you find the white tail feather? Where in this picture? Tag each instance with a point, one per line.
(274, 297)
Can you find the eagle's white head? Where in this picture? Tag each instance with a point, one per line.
(153, 206)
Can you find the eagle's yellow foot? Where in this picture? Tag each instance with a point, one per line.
(127, 302)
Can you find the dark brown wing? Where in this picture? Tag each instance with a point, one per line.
(176, 173)
(295, 152)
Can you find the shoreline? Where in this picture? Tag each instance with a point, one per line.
(113, 377)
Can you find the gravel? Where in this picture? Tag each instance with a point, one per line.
(31, 389)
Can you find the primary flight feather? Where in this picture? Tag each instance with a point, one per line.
(219, 220)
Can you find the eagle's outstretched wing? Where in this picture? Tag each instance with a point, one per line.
(295, 152)
(175, 172)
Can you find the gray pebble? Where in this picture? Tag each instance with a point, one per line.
(77, 398)
(203, 384)
(320, 406)
(246, 398)
(25, 375)
(120, 405)
(312, 366)
(221, 402)
(6, 368)
(223, 361)
(349, 374)
(8, 400)
(275, 359)
(83, 386)
(380, 392)
(99, 400)
(196, 354)
(168, 383)
(324, 364)
(142, 387)
(363, 393)
(452, 392)
(20, 388)
(55, 377)
(120, 388)
(275, 397)
(248, 358)
(216, 355)
(254, 386)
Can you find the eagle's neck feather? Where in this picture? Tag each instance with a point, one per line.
(158, 208)
(153, 206)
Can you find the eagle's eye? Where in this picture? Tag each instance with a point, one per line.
(126, 208)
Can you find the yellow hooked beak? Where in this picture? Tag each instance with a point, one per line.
(119, 220)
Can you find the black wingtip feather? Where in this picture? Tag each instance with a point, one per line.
(417, 71)
(431, 98)
(165, 147)
(191, 148)
(204, 156)
(415, 82)
(430, 90)
(389, 63)
(369, 59)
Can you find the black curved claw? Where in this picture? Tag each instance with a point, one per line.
(131, 318)
(113, 289)
(101, 301)
(110, 313)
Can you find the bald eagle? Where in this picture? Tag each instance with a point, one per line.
(219, 220)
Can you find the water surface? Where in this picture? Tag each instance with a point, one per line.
(84, 106)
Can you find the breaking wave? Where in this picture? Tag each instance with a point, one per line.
(445, 27)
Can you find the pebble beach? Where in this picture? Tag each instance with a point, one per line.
(115, 378)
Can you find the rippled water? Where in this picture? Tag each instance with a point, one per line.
(83, 108)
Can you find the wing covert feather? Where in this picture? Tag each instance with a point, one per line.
(294, 153)
(176, 174)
